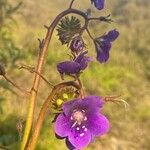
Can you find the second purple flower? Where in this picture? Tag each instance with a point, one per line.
(103, 45)
(75, 66)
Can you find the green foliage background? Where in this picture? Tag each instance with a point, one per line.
(127, 72)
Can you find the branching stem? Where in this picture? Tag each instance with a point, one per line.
(38, 125)
(40, 63)
(30, 69)
(72, 1)
(16, 86)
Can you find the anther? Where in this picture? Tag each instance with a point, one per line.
(85, 118)
(85, 129)
(78, 128)
(81, 134)
(74, 124)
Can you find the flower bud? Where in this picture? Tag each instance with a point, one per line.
(77, 44)
(63, 38)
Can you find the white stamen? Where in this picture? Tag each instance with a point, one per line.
(79, 123)
(74, 124)
(81, 134)
(85, 129)
(78, 128)
(71, 118)
(85, 118)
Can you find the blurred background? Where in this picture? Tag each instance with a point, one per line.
(127, 73)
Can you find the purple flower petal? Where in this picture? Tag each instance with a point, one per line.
(98, 124)
(103, 51)
(96, 101)
(74, 67)
(103, 45)
(68, 67)
(62, 126)
(99, 4)
(84, 62)
(111, 36)
(88, 103)
(69, 145)
(80, 140)
(102, 57)
(81, 56)
(68, 106)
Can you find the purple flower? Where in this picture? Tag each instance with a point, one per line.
(103, 45)
(68, 67)
(77, 45)
(99, 4)
(81, 121)
(74, 67)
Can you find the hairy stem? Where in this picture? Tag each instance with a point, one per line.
(40, 62)
(38, 125)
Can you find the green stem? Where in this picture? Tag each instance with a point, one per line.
(40, 63)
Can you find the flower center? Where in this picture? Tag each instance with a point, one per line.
(78, 116)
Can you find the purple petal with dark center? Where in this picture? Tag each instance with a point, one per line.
(68, 106)
(62, 126)
(99, 4)
(88, 104)
(80, 141)
(98, 124)
(68, 67)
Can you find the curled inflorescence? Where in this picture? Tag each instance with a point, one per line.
(81, 118)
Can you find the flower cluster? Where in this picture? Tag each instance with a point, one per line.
(81, 121)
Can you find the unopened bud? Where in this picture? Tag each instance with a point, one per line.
(77, 44)
(59, 102)
(63, 38)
